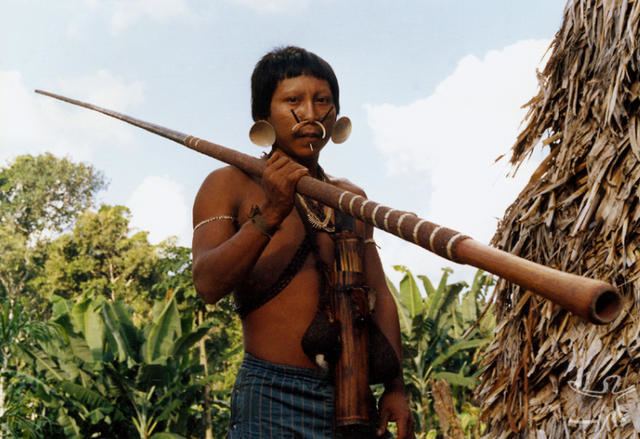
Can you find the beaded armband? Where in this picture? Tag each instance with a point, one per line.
(214, 218)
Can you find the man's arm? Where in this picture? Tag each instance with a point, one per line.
(394, 404)
(223, 257)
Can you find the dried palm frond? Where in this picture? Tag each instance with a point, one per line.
(550, 374)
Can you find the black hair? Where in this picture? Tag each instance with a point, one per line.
(283, 63)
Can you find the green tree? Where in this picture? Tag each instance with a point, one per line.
(99, 258)
(39, 197)
(45, 194)
(16, 261)
(129, 348)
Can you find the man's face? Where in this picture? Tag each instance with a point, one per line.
(310, 99)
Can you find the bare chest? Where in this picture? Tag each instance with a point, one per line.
(284, 246)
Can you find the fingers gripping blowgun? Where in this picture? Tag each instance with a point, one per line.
(593, 300)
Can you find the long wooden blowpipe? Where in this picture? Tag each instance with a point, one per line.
(593, 300)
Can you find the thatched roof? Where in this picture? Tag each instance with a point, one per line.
(550, 374)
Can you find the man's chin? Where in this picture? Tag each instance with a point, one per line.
(304, 151)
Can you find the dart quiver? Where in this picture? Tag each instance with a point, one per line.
(349, 300)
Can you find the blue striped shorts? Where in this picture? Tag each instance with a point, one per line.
(282, 402)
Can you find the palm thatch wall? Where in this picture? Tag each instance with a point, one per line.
(549, 374)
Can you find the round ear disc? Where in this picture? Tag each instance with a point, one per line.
(341, 130)
(262, 133)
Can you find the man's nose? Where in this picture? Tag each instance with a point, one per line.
(307, 110)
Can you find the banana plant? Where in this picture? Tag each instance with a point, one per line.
(111, 378)
(443, 329)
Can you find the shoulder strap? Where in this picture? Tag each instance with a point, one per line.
(259, 298)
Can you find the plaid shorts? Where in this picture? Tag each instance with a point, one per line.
(278, 401)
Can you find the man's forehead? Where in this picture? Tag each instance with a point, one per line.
(296, 82)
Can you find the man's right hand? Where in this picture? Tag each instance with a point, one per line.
(279, 182)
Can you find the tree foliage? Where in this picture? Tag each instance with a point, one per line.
(39, 197)
(45, 193)
(114, 378)
(99, 257)
(115, 342)
(443, 330)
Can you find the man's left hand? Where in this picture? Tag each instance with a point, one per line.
(394, 407)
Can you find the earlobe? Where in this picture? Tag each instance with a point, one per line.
(262, 133)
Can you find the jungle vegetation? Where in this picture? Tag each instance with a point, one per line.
(102, 334)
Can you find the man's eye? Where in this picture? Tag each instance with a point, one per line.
(292, 99)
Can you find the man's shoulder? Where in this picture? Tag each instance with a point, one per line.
(227, 177)
(226, 183)
(347, 185)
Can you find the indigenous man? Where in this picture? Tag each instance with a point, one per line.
(250, 238)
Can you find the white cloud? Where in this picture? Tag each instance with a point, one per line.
(158, 205)
(451, 139)
(274, 6)
(120, 15)
(125, 13)
(31, 123)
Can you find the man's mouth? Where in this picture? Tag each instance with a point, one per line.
(309, 129)
(308, 134)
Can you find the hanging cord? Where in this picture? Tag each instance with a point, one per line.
(311, 238)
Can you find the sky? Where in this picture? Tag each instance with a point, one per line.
(434, 89)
